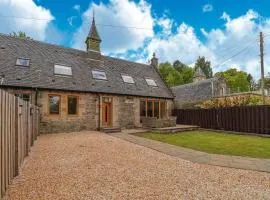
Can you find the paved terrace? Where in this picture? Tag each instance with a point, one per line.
(93, 165)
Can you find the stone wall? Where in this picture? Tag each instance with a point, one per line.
(125, 111)
(86, 118)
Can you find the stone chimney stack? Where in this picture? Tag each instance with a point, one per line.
(154, 61)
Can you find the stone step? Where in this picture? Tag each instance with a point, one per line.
(111, 130)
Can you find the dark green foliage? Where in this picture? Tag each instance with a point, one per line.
(238, 81)
(205, 66)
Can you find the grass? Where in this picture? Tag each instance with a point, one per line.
(216, 143)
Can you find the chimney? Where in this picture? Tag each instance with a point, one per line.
(154, 61)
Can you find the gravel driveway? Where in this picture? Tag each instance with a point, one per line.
(92, 165)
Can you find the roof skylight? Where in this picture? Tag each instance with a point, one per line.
(62, 70)
(101, 75)
(127, 79)
(151, 82)
(23, 62)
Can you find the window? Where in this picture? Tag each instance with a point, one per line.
(54, 104)
(72, 105)
(62, 70)
(162, 109)
(149, 109)
(25, 97)
(23, 62)
(153, 108)
(151, 82)
(127, 79)
(99, 75)
(143, 108)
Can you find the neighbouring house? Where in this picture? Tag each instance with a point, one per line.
(200, 89)
(83, 90)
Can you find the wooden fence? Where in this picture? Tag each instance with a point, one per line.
(19, 128)
(250, 119)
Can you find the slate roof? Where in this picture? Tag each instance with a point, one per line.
(195, 91)
(43, 56)
(93, 33)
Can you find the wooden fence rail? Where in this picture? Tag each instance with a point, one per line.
(250, 119)
(19, 127)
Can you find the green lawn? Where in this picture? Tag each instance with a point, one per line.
(217, 143)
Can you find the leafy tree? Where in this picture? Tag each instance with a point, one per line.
(205, 66)
(187, 74)
(238, 81)
(170, 75)
(266, 82)
(20, 34)
(179, 66)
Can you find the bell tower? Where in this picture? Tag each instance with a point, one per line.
(93, 40)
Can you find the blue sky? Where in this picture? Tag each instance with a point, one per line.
(174, 30)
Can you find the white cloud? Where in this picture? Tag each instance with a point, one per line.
(207, 8)
(77, 7)
(118, 13)
(26, 9)
(183, 45)
(70, 20)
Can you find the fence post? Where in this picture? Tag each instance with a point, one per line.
(16, 168)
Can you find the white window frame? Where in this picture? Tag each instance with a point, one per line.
(98, 71)
(21, 58)
(63, 66)
(125, 77)
(147, 79)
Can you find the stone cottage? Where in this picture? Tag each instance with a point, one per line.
(200, 89)
(82, 90)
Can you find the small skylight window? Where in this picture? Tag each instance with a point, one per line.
(151, 82)
(62, 70)
(127, 79)
(99, 75)
(23, 62)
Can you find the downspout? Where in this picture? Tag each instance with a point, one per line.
(99, 106)
(36, 97)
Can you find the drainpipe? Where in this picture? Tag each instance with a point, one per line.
(99, 103)
(36, 97)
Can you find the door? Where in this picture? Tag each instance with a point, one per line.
(106, 114)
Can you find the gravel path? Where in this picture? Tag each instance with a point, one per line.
(91, 165)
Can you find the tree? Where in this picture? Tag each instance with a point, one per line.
(20, 34)
(186, 71)
(205, 66)
(171, 76)
(238, 81)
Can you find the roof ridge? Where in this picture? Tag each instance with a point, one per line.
(195, 83)
(126, 60)
(41, 42)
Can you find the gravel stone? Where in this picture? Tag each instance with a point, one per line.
(93, 165)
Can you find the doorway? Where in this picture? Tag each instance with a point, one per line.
(106, 112)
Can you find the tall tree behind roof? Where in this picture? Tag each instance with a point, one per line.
(205, 66)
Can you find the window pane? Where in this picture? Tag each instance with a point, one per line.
(54, 104)
(72, 105)
(127, 79)
(62, 70)
(156, 109)
(149, 109)
(99, 75)
(151, 82)
(142, 108)
(162, 109)
(23, 62)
